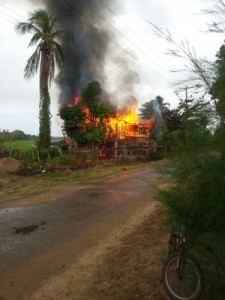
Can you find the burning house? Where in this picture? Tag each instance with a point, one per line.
(128, 136)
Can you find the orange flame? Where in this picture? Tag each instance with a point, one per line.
(76, 99)
(150, 123)
(129, 125)
(123, 125)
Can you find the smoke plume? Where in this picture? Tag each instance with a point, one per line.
(96, 46)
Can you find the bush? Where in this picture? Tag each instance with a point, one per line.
(64, 159)
(197, 200)
(43, 153)
(48, 153)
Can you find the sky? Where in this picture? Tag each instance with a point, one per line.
(136, 43)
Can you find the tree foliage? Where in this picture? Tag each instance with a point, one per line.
(84, 122)
(92, 93)
(6, 135)
(74, 122)
(218, 87)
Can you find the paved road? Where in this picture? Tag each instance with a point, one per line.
(42, 238)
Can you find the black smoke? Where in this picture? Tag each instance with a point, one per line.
(96, 45)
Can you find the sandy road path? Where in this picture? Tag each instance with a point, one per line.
(95, 247)
(125, 266)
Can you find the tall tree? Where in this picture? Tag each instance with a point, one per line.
(47, 55)
(218, 93)
(218, 86)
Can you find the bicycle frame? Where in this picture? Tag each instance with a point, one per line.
(179, 247)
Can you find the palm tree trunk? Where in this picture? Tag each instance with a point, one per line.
(44, 119)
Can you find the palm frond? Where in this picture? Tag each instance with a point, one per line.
(41, 20)
(48, 53)
(58, 53)
(32, 64)
(35, 39)
(24, 28)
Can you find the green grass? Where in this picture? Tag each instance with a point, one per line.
(21, 145)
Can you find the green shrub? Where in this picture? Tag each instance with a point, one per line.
(43, 153)
(197, 200)
(53, 152)
(64, 147)
(64, 159)
(197, 197)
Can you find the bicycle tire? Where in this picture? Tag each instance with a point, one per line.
(187, 288)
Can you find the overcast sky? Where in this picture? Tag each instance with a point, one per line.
(19, 98)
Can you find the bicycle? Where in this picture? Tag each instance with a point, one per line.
(181, 274)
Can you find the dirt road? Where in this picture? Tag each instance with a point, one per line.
(116, 256)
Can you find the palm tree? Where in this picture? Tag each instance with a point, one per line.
(47, 55)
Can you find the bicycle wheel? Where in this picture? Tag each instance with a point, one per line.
(187, 285)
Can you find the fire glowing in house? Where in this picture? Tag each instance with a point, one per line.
(127, 134)
(129, 125)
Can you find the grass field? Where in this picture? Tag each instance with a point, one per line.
(21, 145)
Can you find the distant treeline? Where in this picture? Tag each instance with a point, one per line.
(6, 135)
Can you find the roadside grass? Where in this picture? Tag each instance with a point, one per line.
(13, 187)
